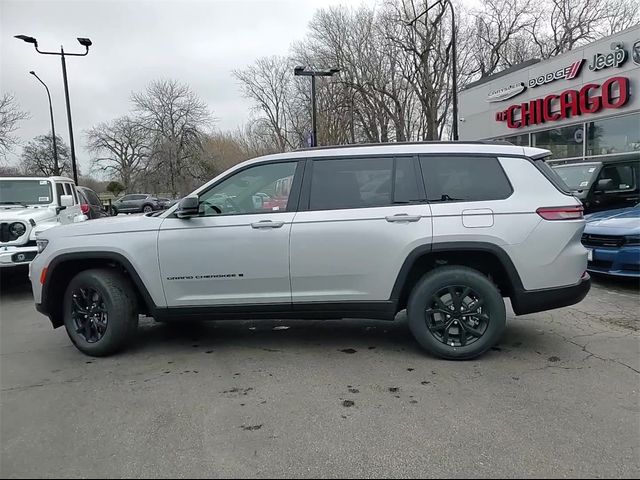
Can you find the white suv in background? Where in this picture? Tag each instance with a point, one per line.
(444, 230)
(30, 205)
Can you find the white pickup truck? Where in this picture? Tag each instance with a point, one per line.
(29, 205)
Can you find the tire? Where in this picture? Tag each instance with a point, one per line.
(147, 208)
(116, 296)
(471, 334)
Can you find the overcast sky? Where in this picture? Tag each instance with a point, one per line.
(197, 42)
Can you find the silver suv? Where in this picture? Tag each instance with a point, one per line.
(135, 203)
(443, 230)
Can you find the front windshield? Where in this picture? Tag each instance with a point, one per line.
(25, 192)
(577, 177)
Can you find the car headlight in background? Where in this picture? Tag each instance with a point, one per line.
(632, 240)
(42, 244)
(17, 229)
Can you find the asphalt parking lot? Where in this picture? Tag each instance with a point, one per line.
(557, 398)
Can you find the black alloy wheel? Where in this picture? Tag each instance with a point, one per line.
(457, 316)
(89, 314)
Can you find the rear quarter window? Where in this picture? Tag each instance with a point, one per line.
(464, 178)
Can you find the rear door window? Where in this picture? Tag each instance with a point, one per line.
(351, 183)
(93, 198)
(363, 183)
(464, 178)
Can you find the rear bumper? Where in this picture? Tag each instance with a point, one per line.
(532, 301)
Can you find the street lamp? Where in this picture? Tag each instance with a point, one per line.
(56, 168)
(454, 59)
(303, 72)
(86, 43)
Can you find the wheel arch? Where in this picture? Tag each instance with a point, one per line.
(488, 258)
(64, 267)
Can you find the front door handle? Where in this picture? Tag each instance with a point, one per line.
(267, 224)
(403, 217)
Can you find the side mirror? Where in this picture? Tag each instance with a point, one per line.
(605, 185)
(188, 207)
(66, 201)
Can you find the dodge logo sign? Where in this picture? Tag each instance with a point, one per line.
(568, 73)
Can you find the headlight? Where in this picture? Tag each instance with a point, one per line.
(17, 229)
(42, 244)
(632, 240)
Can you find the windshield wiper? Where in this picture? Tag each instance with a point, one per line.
(13, 203)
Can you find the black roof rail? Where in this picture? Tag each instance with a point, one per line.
(392, 144)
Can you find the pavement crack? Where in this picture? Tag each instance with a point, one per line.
(592, 354)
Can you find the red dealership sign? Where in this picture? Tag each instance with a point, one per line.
(591, 98)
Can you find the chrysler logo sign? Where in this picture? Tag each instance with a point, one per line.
(507, 92)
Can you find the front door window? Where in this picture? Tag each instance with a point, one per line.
(259, 189)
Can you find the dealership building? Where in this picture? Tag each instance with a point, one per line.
(583, 104)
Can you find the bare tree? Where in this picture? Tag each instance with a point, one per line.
(175, 119)
(121, 149)
(37, 156)
(500, 31)
(565, 24)
(268, 83)
(10, 116)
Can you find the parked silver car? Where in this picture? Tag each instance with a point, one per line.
(135, 203)
(443, 230)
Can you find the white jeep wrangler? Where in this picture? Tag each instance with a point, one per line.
(28, 206)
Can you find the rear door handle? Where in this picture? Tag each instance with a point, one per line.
(267, 224)
(403, 217)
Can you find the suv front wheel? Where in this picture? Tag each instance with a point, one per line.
(100, 313)
(456, 313)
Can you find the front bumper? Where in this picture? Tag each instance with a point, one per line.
(14, 256)
(532, 301)
(622, 262)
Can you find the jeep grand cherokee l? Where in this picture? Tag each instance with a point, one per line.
(443, 230)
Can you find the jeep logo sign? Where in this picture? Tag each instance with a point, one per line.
(507, 92)
(613, 59)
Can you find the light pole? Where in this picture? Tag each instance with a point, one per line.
(302, 71)
(56, 167)
(454, 59)
(85, 42)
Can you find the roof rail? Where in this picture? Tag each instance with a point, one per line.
(392, 144)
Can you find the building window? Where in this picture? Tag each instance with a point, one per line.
(519, 140)
(565, 142)
(614, 135)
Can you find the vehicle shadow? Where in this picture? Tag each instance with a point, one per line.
(14, 283)
(627, 284)
(347, 336)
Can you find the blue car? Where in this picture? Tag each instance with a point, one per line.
(613, 240)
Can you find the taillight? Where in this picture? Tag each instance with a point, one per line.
(85, 208)
(574, 212)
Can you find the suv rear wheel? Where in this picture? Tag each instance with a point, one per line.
(456, 313)
(147, 208)
(100, 313)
